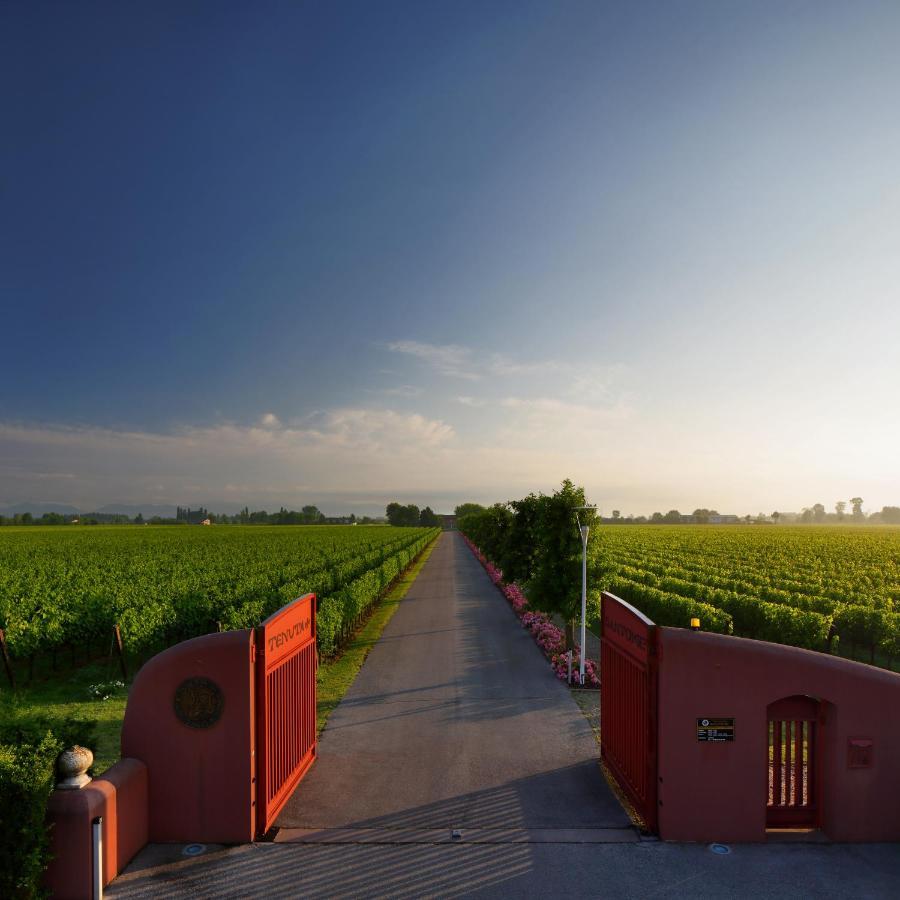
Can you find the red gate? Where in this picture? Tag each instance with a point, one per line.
(628, 688)
(285, 705)
(792, 763)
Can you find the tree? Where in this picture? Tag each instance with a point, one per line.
(776, 516)
(890, 515)
(401, 516)
(311, 515)
(617, 514)
(839, 508)
(856, 503)
(657, 518)
(818, 512)
(555, 586)
(672, 517)
(428, 519)
(519, 537)
(466, 509)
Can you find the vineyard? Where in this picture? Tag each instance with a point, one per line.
(66, 589)
(832, 589)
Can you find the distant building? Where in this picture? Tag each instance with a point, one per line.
(448, 522)
(715, 519)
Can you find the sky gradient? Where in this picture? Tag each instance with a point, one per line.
(345, 253)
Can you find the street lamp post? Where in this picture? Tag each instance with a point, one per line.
(584, 530)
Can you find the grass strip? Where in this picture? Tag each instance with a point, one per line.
(335, 676)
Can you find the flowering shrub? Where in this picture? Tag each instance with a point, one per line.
(105, 689)
(549, 637)
(560, 663)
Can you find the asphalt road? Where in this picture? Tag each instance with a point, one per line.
(457, 765)
(454, 722)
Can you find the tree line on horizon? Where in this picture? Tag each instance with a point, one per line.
(810, 515)
(411, 516)
(308, 515)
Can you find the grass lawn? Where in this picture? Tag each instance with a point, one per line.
(70, 695)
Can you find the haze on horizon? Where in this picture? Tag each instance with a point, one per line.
(347, 253)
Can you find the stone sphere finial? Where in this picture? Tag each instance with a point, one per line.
(72, 766)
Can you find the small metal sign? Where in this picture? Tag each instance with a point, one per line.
(717, 730)
(198, 702)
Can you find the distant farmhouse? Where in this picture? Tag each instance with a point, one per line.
(448, 522)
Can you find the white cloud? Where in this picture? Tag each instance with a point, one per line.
(472, 401)
(447, 359)
(400, 390)
(340, 449)
(584, 380)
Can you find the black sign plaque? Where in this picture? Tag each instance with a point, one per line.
(198, 702)
(715, 730)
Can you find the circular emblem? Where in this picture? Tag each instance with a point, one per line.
(198, 702)
(705, 722)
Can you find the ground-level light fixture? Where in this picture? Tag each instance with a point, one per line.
(584, 530)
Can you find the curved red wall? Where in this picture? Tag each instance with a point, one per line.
(717, 791)
(201, 779)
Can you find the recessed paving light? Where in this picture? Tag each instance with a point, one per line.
(194, 850)
(721, 849)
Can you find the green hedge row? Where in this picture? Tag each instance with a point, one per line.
(338, 613)
(726, 612)
(670, 609)
(28, 751)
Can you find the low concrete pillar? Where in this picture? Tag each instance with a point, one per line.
(120, 797)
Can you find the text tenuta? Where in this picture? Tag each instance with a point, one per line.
(624, 631)
(280, 639)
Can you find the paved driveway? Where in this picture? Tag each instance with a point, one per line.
(457, 765)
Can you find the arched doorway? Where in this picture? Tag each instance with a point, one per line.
(793, 763)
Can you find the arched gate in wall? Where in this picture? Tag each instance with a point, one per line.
(793, 763)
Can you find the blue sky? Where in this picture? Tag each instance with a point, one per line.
(350, 252)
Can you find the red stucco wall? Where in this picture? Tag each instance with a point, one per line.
(201, 779)
(120, 796)
(717, 792)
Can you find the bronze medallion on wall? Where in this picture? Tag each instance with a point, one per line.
(198, 702)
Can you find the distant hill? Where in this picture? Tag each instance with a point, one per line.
(147, 510)
(38, 509)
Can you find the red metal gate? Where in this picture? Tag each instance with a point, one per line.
(285, 705)
(628, 689)
(792, 763)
